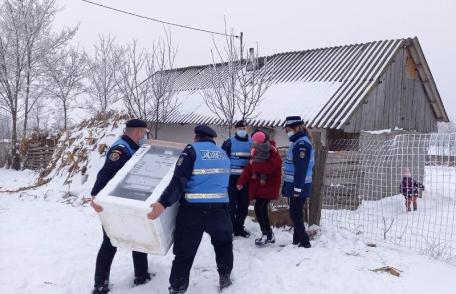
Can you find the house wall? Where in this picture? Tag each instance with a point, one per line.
(184, 134)
(398, 100)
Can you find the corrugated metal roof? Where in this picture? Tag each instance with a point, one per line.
(355, 68)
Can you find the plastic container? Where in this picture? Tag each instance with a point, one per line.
(126, 200)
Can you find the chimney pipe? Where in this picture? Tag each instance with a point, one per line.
(251, 55)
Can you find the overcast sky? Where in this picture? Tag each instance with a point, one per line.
(278, 26)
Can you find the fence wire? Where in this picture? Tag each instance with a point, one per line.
(366, 179)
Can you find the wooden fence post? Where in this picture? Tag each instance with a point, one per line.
(316, 197)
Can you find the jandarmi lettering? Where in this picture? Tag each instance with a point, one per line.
(211, 155)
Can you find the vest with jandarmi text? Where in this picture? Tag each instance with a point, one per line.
(210, 176)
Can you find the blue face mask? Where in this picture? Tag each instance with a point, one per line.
(142, 141)
(241, 133)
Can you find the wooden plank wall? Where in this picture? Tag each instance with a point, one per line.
(38, 156)
(342, 178)
(398, 100)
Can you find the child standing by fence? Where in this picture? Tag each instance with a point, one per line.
(410, 189)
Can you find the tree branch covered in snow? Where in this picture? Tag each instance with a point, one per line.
(66, 70)
(236, 85)
(146, 82)
(254, 80)
(221, 97)
(104, 69)
(132, 83)
(164, 98)
(26, 39)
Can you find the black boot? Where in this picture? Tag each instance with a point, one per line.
(141, 280)
(295, 239)
(176, 290)
(180, 290)
(262, 240)
(305, 244)
(101, 289)
(225, 281)
(267, 238)
(270, 237)
(242, 233)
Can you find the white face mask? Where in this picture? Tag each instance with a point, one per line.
(290, 133)
(241, 133)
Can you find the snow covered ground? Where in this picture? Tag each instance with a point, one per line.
(50, 247)
(12, 179)
(430, 230)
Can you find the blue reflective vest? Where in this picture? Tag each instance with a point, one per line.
(123, 143)
(210, 176)
(240, 155)
(289, 168)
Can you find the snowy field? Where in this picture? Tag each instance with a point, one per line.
(430, 230)
(47, 246)
(11, 179)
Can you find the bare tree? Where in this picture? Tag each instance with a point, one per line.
(4, 137)
(104, 70)
(132, 82)
(237, 85)
(5, 130)
(164, 100)
(222, 95)
(12, 65)
(253, 82)
(66, 71)
(42, 42)
(40, 115)
(25, 39)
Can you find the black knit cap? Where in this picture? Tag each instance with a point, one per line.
(204, 130)
(292, 121)
(241, 124)
(136, 123)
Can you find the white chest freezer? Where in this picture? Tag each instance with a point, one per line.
(126, 200)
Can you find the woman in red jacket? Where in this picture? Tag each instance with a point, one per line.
(264, 175)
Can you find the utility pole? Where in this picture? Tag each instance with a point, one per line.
(241, 36)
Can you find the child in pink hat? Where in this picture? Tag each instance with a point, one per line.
(410, 189)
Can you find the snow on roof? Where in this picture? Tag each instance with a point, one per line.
(275, 105)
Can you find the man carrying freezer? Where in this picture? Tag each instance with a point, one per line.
(119, 153)
(200, 184)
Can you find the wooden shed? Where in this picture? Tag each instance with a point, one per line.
(339, 91)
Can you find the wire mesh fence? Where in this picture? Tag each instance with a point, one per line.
(398, 189)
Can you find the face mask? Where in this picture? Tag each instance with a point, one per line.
(242, 133)
(142, 141)
(290, 133)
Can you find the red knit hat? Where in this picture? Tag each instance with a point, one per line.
(259, 137)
